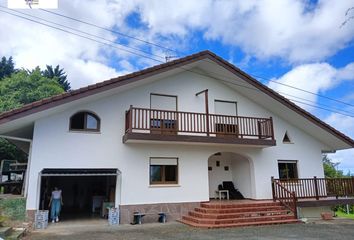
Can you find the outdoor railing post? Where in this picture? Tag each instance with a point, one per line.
(316, 187)
(295, 203)
(130, 118)
(126, 121)
(271, 127)
(273, 188)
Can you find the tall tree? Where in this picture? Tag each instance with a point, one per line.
(59, 74)
(329, 167)
(21, 88)
(24, 87)
(7, 67)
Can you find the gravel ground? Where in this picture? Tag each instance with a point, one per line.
(335, 229)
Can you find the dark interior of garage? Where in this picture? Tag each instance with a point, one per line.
(84, 196)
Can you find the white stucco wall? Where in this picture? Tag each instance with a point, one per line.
(242, 176)
(54, 146)
(217, 174)
(240, 173)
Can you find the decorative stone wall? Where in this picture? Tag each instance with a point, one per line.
(174, 211)
(30, 217)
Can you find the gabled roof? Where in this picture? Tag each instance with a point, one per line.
(148, 72)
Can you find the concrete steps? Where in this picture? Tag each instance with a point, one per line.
(217, 215)
(238, 209)
(9, 233)
(5, 231)
(246, 224)
(236, 215)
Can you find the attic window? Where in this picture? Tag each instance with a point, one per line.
(85, 121)
(286, 138)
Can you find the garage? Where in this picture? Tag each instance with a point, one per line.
(86, 193)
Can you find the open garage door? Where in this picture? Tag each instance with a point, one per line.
(86, 192)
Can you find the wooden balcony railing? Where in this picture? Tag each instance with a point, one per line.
(286, 197)
(155, 121)
(315, 187)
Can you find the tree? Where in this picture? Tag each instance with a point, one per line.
(24, 87)
(10, 152)
(59, 74)
(21, 88)
(7, 67)
(329, 167)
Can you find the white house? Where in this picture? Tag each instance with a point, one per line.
(165, 137)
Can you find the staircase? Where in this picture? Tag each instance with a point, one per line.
(239, 213)
(10, 233)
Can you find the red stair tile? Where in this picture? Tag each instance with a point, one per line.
(228, 214)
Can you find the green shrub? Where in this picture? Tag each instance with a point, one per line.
(13, 209)
(343, 209)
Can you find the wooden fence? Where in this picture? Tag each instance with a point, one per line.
(316, 187)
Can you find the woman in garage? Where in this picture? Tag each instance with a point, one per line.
(55, 203)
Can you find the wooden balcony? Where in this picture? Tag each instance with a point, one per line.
(160, 125)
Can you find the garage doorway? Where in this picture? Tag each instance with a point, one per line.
(86, 192)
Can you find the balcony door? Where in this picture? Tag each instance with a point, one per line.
(163, 116)
(226, 123)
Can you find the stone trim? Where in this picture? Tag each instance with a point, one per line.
(30, 217)
(174, 211)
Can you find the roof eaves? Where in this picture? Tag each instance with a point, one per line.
(94, 88)
(122, 80)
(283, 100)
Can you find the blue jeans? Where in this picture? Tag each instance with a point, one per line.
(55, 208)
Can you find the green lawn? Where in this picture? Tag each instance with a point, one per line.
(13, 208)
(342, 214)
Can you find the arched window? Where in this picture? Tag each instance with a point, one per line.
(85, 121)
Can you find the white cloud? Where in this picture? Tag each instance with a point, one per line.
(316, 78)
(91, 71)
(84, 61)
(295, 30)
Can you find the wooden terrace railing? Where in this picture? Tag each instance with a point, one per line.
(317, 187)
(156, 121)
(285, 197)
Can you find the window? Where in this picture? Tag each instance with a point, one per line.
(226, 126)
(287, 169)
(85, 121)
(163, 170)
(163, 102)
(226, 107)
(163, 122)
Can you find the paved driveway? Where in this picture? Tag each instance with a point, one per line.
(336, 229)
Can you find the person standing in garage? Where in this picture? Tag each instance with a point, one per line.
(55, 203)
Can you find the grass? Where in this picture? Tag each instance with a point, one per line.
(13, 209)
(344, 215)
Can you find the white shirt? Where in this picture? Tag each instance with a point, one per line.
(56, 194)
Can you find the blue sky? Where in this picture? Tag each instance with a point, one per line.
(295, 42)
